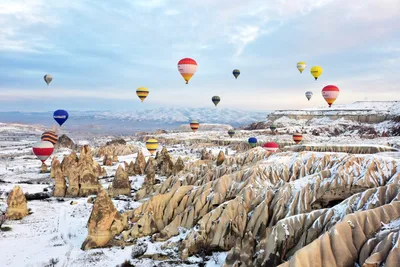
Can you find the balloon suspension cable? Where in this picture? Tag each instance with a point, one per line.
(316, 78)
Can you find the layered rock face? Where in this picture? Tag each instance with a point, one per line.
(17, 205)
(82, 174)
(264, 208)
(115, 148)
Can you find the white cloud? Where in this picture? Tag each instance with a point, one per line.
(172, 12)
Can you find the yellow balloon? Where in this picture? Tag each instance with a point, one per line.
(316, 71)
(301, 66)
(152, 145)
(142, 93)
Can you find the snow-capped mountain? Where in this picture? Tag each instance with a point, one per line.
(159, 116)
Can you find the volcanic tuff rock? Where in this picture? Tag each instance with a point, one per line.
(120, 184)
(368, 238)
(107, 160)
(140, 163)
(104, 222)
(220, 158)
(43, 168)
(65, 142)
(17, 206)
(115, 149)
(82, 174)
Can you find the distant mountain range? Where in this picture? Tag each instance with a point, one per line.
(156, 116)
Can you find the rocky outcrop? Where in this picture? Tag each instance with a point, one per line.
(107, 160)
(60, 183)
(149, 180)
(81, 173)
(140, 163)
(43, 168)
(65, 142)
(104, 222)
(117, 149)
(243, 203)
(119, 141)
(220, 158)
(120, 184)
(353, 149)
(17, 205)
(367, 238)
(178, 166)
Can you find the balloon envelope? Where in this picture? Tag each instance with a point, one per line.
(194, 125)
(215, 99)
(309, 94)
(301, 66)
(316, 71)
(271, 146)
(297, 137)
(231, 132)
(187, 68)
(48, 78)
(152, 145)
(142, 93)
(43, 150)
(330, 93)
(60, 116)
(252, 141)
(236, 73)
(50, 136)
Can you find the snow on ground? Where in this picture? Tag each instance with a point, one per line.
(56, 229)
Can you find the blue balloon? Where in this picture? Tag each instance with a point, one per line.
(60, 116)
(252, 141)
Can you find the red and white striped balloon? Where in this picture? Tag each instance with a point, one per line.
(271, 146)
(187, 68)
(43, 150)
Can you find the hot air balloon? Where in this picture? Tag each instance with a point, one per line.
(316, 71)
(231, 132)
(271, 146)
(297, 137)
(50, 136)
(48, 78)
(194, 125)
(60, 116)
(309, 94)
(215, 99)
(142, 92)
(236, 73)
(152, 145)
(330, 93)
(301, 66)
(43, 150)
(252, 141)
(187, 67)
(272, 127)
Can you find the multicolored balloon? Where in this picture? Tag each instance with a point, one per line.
(48, 78)
(271, 146)
(194, 125)
(236, 73)
(50, 136)
(43, 150)
(152, 145)
(301, 66)
(330, 93)
(231, 132)
(297, 137)
(272, 127)
(252, 141)
(142, 93)
(60, 116)
(316, 71)
(216, 99)
(187, 68)
(309, 94)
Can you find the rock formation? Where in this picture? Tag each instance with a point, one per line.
(178, 166)
(43, 168)
(60, 184)
(115, 158)
(65, 142)
(220, 158)
(120, 184)
(17, 206)
(104, 222)
(107, 161)
(140, 163)
(116, 148)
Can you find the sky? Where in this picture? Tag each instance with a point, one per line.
(100, 52)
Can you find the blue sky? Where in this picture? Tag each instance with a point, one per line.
(99, 52)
